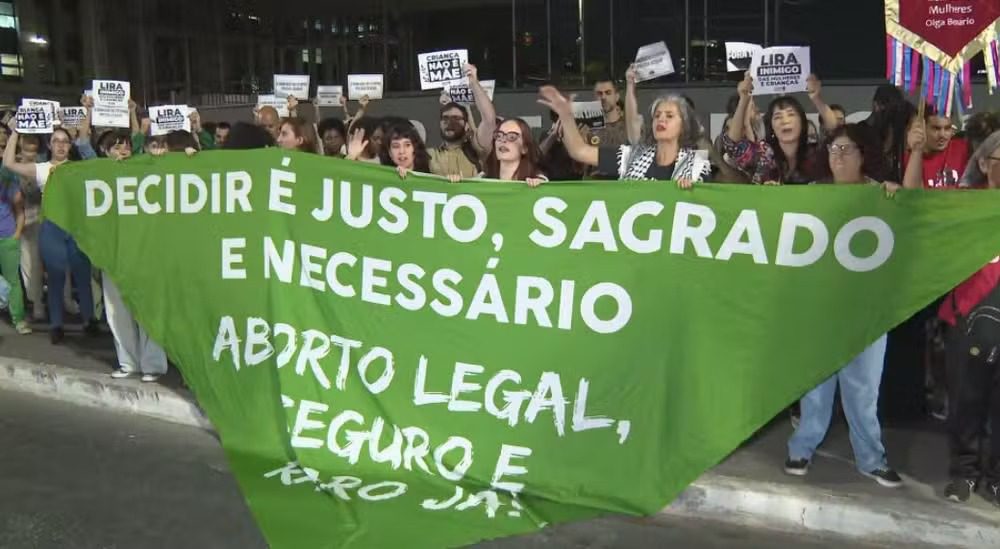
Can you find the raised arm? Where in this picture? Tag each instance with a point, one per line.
(633, 121)
(133, 115)
(826, 114)
(88, 106)
(745, 88)
(10, 162)
(488, 113)
(916, 138)
(577, 148)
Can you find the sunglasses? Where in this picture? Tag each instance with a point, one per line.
(506, 137)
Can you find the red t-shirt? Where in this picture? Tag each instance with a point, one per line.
(969, 293)
(945, 168)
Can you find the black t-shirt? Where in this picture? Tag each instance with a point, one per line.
(607, 163)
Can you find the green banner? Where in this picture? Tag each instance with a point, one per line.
(414, 363)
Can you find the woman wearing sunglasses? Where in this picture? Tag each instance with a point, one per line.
(853, 157)
(515, 155)
(669, 155)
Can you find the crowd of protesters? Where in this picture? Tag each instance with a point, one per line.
(894, 148)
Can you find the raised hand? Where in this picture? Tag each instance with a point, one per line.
(916, 138)
(471, 72)
(813, 87)
(356, 146)
(745, 87)
(630, 74)
(550, 97)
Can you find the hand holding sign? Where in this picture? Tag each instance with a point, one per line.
(745, 87)
(471, 72)
(916, 138)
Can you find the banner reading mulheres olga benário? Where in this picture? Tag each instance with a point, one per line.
(422, 364)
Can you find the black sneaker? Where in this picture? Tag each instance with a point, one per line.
(56, 336)
(885, 477)
(960, 490)
(796, 467)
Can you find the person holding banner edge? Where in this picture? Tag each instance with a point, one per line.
(670, 155)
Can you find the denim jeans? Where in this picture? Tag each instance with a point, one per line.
(59, 254)
(859, 385)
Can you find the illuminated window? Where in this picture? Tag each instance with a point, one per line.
(305, 56)
(8, 22)
(10, 71)
(319, 55)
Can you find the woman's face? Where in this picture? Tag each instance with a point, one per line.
(786, 125)
(287, 139)
(120, 151)
(60, 145)
(375, 142)
(157, 148)
(990, 165)
(845, 160)
(401, 153)
(667, 122)
(333, 142)
(508, 142)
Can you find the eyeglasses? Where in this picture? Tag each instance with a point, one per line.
(452, 118)
(506, 137)
(841, 150)
(60, 142)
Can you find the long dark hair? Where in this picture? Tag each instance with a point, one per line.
(784, 102)
(890, 119)
(867, 143)
(302, 130)
(74, 153)
(421, 159)
(530, 160)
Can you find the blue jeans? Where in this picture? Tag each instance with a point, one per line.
(859, 384)
(59, 254)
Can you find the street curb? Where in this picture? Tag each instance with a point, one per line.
(801, 509)
(807, 509)
(99, 390)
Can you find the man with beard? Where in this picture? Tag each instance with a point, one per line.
(614, 133)
(460, 153)
(936, 158)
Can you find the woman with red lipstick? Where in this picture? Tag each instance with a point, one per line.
(670, 154)
(784, 156)
(515, 156)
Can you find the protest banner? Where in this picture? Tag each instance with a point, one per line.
(653, 61)
(441, 69)
(275, 102)
(780, 70)
(38, 119)
(589, 113)
(329, 96)
(424, 364)
(72, 117)
(111, 99)
(295, 85)
(739, 55)
(462, 93)
(168, 118)
(360, 85)
(51, 109)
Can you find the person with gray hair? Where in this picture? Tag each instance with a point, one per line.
(669, 153)
(983, 169)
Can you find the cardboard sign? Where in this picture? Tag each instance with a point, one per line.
(359, 85)
(739, 55)
(329, 96)
(653, 61)
(441, 69)
(111, 99)
(72, 117)
(462, 93)
(34, 119)
(168, 118)
(277, 103)
(295, 85)
(589, 113)
(51, 106)
(779, 70)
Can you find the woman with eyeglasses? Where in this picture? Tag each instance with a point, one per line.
(853, 157)
(515, 155)
(59, 251)
(669, 154)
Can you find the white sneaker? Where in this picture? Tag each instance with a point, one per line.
(23, 328)
(121, 374)
(150, 378)
(71, 308)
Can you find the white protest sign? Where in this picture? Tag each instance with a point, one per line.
(589, 113)
(51, 106)
(168, 118)
(653, 61)
(34, 119)
(739, 55)
(295, 85)
(359, 85)
(782, 69)
(277, 103)
(111, 99)
(533, 121)
(72, 117)
(462, 93)
(329, 96)
(441, 69)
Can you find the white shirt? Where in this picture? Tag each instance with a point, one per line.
(42, 170)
